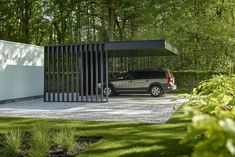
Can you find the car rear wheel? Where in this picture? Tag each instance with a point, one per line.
(108, 91)
(156, 91)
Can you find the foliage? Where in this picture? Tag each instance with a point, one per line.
(65, 138)
(40, 144)
(12, 143)
(187, 80)
(212, 107)
(203, 31)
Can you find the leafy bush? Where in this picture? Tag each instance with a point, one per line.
(187, 80)
(40, 144)
(213, 118)
(12, 143)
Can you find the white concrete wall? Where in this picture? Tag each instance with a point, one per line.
(21, 70)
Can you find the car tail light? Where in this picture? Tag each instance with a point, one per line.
(170, 77)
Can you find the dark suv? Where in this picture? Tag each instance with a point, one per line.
(155, 82)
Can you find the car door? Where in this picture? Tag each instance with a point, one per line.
(124, 82)
(142, 79)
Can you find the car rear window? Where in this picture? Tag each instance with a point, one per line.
(158, 74)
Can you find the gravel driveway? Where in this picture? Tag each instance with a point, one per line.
(131, 108)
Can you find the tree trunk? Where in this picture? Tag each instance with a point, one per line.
(110, 20)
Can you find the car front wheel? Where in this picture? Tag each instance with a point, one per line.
(156, 91)
(108, 91)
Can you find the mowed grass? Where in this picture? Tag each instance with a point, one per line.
(120, 139)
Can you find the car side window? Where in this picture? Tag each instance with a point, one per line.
(142, 75)
(128, 76)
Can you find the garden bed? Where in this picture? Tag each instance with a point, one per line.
(44, 143)
(83, 143)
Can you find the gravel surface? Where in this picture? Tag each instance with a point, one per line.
(131, 108)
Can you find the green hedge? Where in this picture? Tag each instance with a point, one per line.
(187, 80)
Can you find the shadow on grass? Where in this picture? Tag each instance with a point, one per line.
(121, 139)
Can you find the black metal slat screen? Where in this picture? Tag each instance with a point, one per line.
(121, 64)
(75, 73)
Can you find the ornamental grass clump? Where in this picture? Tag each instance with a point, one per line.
(65, 139)
(12, 143)
(40, 143)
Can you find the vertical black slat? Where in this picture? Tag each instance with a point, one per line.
(77, 72)
(96, 71)
(115, 66)
(91, 70)
(72, 74)
(112, 63)
(53, 74)
(106, 71)
(81, 71)
(127, 63)
(49, 74)
(62, 69)
(124, 63)
(67, 72)
(58, 73)
(45, 73)
(45, 76)
(86, 71)
(101, 71)
(125, 66)
(120, 64)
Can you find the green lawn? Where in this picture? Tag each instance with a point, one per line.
(121, 139)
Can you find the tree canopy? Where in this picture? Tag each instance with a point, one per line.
(203, 31)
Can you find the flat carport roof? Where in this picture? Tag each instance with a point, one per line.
(140, 48)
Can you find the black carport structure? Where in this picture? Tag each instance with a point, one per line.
(79, 73)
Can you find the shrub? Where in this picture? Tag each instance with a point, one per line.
(213, 123)
(187, 80)
(12, 143)
(40, 144)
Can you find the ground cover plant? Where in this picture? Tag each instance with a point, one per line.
(211, 106)
(119, 139)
